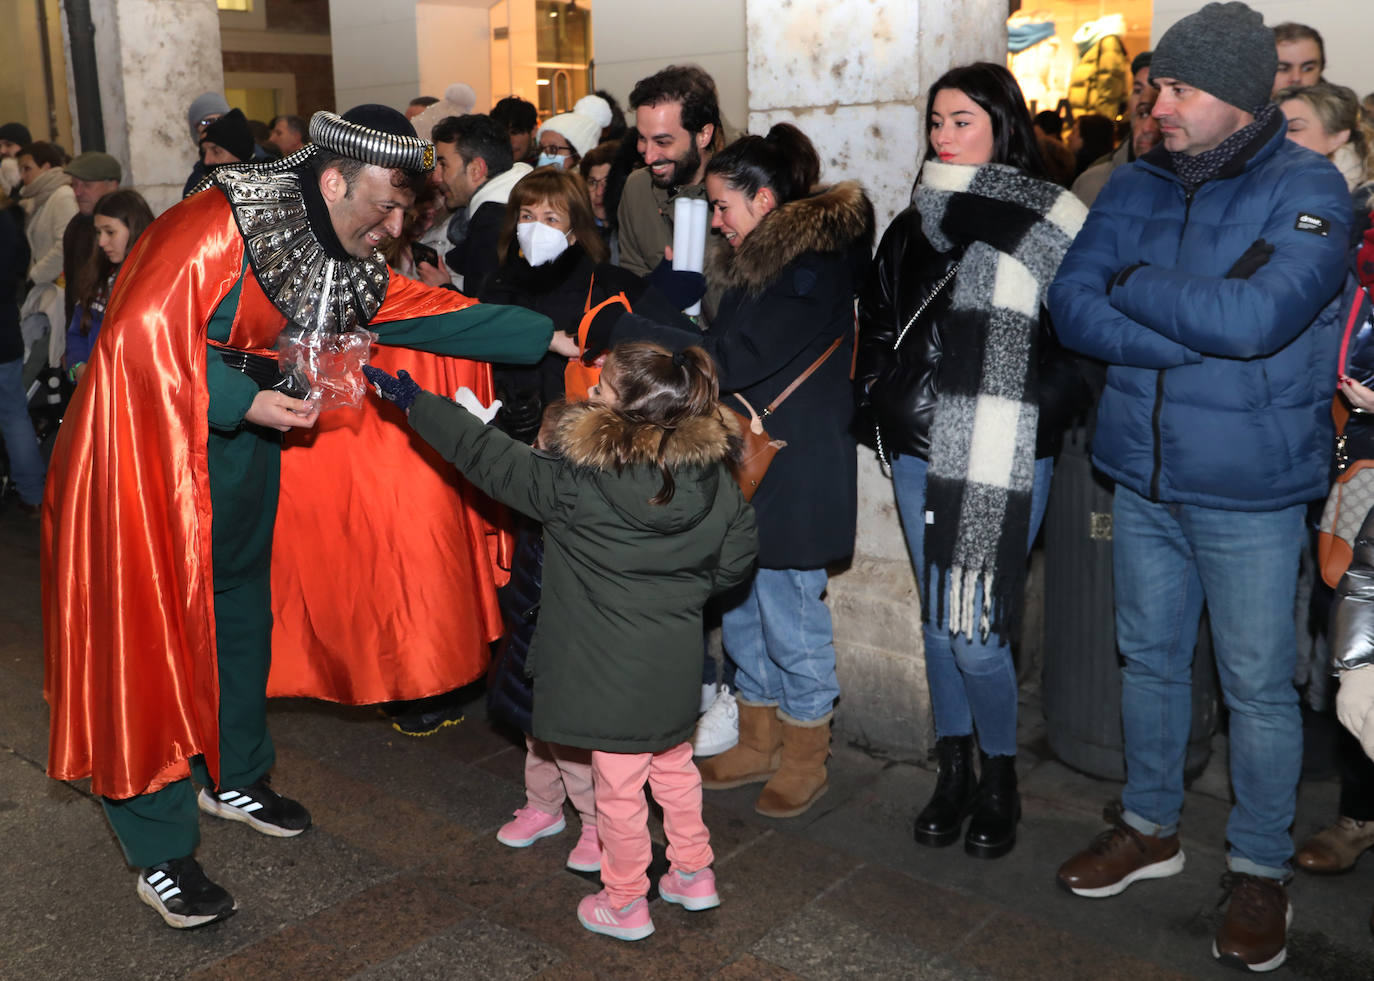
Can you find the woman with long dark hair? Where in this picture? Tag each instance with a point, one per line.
(968, 394)
(795, 257)
(120, 217)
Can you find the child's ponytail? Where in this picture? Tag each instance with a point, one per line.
(700, 390)
(663, 388)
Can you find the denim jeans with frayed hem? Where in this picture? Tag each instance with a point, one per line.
(16, 429)
(972, 681)
(1167, 560)
(783, 645)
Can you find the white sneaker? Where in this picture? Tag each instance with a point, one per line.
(718, 729)
(708, 697)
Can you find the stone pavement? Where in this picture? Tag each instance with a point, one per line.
(402, 877)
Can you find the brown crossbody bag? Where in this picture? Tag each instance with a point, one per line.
(760, 448)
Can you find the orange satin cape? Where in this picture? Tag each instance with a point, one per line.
(385, 561)
(128, 592)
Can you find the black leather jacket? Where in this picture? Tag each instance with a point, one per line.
(897, 389)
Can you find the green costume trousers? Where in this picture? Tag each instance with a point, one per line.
(163, 825)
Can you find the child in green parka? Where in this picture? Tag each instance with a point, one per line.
(643, 522)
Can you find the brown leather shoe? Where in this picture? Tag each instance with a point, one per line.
(1254, 932)
(1337, 848)
(1119, 856)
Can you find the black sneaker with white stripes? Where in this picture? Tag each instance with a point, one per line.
(258, 806)
(182, 894)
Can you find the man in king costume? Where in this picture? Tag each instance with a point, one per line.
(163, 488)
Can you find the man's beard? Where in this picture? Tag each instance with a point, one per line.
(683, 170)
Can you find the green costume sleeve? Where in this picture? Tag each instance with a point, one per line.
(479, 331)
(231, 392)
(501, 467)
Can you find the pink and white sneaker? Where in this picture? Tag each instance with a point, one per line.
(586, 854)
(529, 826)
(690, 890)
(630, 922)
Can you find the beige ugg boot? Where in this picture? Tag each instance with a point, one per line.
(801, 779)
(754, 758)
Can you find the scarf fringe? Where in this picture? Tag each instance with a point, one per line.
(956, 608)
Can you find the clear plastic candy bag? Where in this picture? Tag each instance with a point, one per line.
(332, 363)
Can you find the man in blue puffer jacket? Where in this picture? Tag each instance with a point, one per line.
(1204, 276)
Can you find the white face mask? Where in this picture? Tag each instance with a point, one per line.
(541, 243)
(552, 160)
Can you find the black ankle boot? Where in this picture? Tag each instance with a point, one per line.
(996, 809)
(940, 822)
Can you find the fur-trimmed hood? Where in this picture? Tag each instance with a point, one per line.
(626, 453)
(595, 436)
(833, 219)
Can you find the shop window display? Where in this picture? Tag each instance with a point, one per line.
(1074, 58)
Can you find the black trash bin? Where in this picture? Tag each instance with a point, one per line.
(1081, 686)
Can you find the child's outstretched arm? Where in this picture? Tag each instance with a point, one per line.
(504, 469)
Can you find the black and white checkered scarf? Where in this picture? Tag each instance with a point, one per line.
(1013, 231)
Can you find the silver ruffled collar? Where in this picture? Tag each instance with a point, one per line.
(311, 289)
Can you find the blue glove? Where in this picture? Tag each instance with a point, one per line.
(682, 288)
(400, 389)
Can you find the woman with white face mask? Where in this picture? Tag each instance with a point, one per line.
(552, 257)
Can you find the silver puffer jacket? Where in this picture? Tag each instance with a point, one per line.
(1352, 614)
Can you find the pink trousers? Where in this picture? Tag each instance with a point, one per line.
(555, 773)
(623, 816)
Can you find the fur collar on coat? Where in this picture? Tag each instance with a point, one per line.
(598, 437)
(833, 219)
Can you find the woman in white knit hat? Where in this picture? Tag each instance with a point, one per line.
(564, 138)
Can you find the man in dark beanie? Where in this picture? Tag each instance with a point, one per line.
(159, 514)
(1205, 276)
(227, 140)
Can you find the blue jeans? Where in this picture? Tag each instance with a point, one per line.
(1167, 559)
(972, 682)
(781, 640)
(16, 429)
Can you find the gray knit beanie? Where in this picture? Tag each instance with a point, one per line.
(1225, 50)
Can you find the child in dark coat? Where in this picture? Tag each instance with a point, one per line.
(642, 524)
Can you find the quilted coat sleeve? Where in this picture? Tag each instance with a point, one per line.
(1276, 303)
(1084, 317)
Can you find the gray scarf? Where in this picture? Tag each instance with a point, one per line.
(1013, 231)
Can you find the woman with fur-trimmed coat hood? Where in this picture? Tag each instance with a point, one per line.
(616, 655)
(789, 290)
(795, 260)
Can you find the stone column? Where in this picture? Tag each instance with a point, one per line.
(852, 76)
(154, 57)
